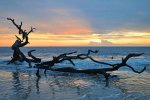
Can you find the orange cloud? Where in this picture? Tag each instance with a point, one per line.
(48, 39)
(65, 21)
(3, 29)
(7, 39)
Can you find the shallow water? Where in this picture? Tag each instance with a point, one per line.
(18, 82)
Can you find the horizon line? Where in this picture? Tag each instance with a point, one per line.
(89, 46)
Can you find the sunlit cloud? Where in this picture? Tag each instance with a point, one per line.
(3, 29)
(101, 43)
(110, 39)
(77, 22)
(125, 38)
(122, 34)
(65, 21)
(42, 39)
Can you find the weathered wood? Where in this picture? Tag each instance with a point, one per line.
(62, 57)
(17, 54)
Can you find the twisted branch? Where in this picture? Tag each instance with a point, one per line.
(135, 70)
(18, 55)
(49, 64)
(34, 59)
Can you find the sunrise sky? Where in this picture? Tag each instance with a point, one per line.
(78, 22)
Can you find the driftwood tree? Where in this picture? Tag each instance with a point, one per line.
(17, 53)
(48, 65)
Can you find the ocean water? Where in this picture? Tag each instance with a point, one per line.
(18, 82)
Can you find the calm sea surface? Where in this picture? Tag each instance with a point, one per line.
(18, 82)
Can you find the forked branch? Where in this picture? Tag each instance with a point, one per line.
(18, 55)
(113, 67)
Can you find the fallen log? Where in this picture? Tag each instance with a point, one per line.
(104, 71)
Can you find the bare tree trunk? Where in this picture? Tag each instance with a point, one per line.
(17, 54)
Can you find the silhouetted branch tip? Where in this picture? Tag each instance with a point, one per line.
(135, 70)
(17, 54)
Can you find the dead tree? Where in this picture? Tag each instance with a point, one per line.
(17, 53)
(104, 71)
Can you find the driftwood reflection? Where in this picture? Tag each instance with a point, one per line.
(59, 84)
(22, 89)
(37, 86)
